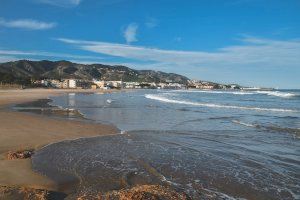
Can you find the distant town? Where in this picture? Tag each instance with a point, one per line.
(68, 75)
(101, 84)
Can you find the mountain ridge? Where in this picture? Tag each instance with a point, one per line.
(22, 70)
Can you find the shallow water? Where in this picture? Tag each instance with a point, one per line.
(241, 144)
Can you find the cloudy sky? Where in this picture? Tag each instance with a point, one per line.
(250, 42)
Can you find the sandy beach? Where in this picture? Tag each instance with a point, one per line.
(211, 148)
(21, 131)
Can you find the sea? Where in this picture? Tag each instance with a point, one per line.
(210, 144)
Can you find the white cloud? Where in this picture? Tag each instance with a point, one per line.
(130, 33)
(61, 3)
(7, 58)
(252, 52)
(33, 54)
(13, 52)
(255, 61)
(27, 24)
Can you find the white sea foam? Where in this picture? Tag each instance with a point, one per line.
(277, 93)
(241, 92)
(109, 101)
(243, 123)
(216, 92)
(211, 105)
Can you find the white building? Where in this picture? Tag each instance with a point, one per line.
(115, 84)
(72, 83)
(100, 84)
(69, 83)
(131, 85)
(56, 83)
(45, 82)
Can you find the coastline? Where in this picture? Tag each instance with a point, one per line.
(23, 131)
(30, 119)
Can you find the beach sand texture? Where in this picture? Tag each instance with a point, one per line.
(19, 131)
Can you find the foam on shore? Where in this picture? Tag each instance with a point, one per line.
(211, 105)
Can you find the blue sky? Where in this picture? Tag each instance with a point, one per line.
(250, 42)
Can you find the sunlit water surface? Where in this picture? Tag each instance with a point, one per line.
(232, 144)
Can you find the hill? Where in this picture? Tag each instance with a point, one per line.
(23, 71)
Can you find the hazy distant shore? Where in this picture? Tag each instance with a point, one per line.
(22, 131)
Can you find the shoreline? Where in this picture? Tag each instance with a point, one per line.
(86, 151)
(18, 134)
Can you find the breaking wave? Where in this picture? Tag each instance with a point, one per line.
(242, 92)
(277, 93)
(211, 105)
(244, 123)
(216, 92)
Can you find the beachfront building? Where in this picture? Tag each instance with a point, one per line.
(45, 82)
(65, 84)
(201, 85)
(56, 83)
(170, 85)
(99, 84)
(72, 83)
(176, 86)
(161, 85)
(115, 84)
(153, 85)
(131, 85)
(206, 87)
(69, 83)
(94, 87)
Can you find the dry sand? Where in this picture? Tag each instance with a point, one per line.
(25, 131)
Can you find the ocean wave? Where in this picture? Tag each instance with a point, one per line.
(277, 93)
(286, 117)
(295, 131)
(216, 92)
(244, 123)
(242, 92)
(211, 105)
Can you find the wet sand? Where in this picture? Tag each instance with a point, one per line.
(20, 131)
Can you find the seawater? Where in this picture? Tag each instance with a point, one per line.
(209, 143)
